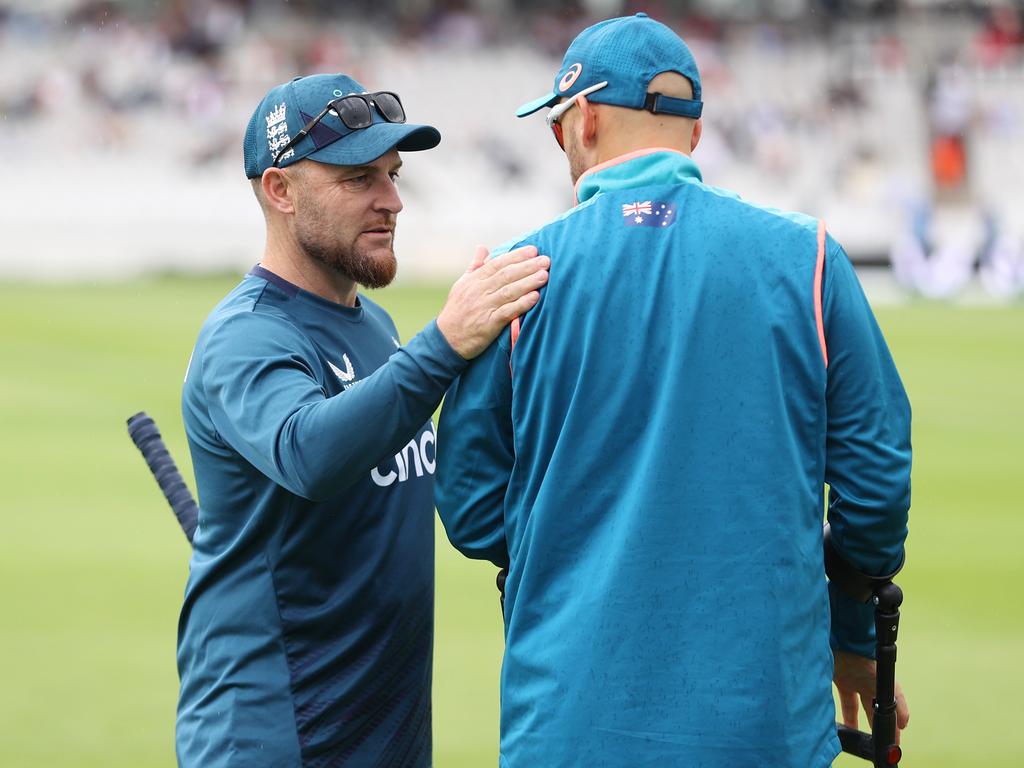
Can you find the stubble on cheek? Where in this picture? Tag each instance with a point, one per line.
(368, 261)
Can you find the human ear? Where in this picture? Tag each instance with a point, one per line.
(588, 123)
(278, 189)
(698, 128)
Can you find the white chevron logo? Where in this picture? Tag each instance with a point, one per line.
(348, 374)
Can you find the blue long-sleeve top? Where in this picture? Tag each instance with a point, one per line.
(649, 461)
(306, 632)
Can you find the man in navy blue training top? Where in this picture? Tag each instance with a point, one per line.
(307, 628)
(646, 450)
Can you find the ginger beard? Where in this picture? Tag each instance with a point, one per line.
(577, 164)
(366, 259)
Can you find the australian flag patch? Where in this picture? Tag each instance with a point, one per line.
(649, 213)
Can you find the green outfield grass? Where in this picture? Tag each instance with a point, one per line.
(92, 565)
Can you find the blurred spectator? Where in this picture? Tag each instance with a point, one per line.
(1000, 39)
(455, 24)
(950, 110)
(554, 25)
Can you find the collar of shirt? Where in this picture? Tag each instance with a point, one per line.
(292, 291)
(656, 165)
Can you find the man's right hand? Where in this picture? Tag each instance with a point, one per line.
(854, 678)
(489, 296)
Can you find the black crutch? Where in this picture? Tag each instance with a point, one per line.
(880, 745)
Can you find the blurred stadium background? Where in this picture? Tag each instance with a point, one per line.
(125, 216)
(899, 123)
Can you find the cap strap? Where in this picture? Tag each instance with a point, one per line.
(659, 103)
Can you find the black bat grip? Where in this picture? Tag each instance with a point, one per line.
(145, 435)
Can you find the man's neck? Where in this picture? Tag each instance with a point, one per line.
(613, 148)
(288, 261)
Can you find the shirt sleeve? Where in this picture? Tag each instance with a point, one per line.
(475, 455)
(265, 401)
(868, 454)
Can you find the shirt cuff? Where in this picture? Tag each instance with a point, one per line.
(432, 349)
(853, 624)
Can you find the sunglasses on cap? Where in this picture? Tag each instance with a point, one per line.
(355, 111)
(560, 109)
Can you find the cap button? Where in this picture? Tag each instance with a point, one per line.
(642, 15)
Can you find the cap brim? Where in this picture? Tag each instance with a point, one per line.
(547, 100)
(367, 144)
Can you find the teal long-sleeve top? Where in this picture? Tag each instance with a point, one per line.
(649, 459)
(306, 633)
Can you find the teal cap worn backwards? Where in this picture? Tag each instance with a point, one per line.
(626, 53)
(288, 108)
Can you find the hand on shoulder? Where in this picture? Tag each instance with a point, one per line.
(489, 295)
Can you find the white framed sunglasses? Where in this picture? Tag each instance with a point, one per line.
(560, 109)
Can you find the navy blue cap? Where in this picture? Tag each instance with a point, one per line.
(627, 53)
(288, 107)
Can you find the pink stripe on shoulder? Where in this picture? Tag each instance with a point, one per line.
(819, 269)
(514, 336)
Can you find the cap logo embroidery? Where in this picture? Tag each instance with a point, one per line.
(276, 115)
(277, 131)
(570, 77)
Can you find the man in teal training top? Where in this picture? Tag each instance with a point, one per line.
(306, 634)
(646, 450)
